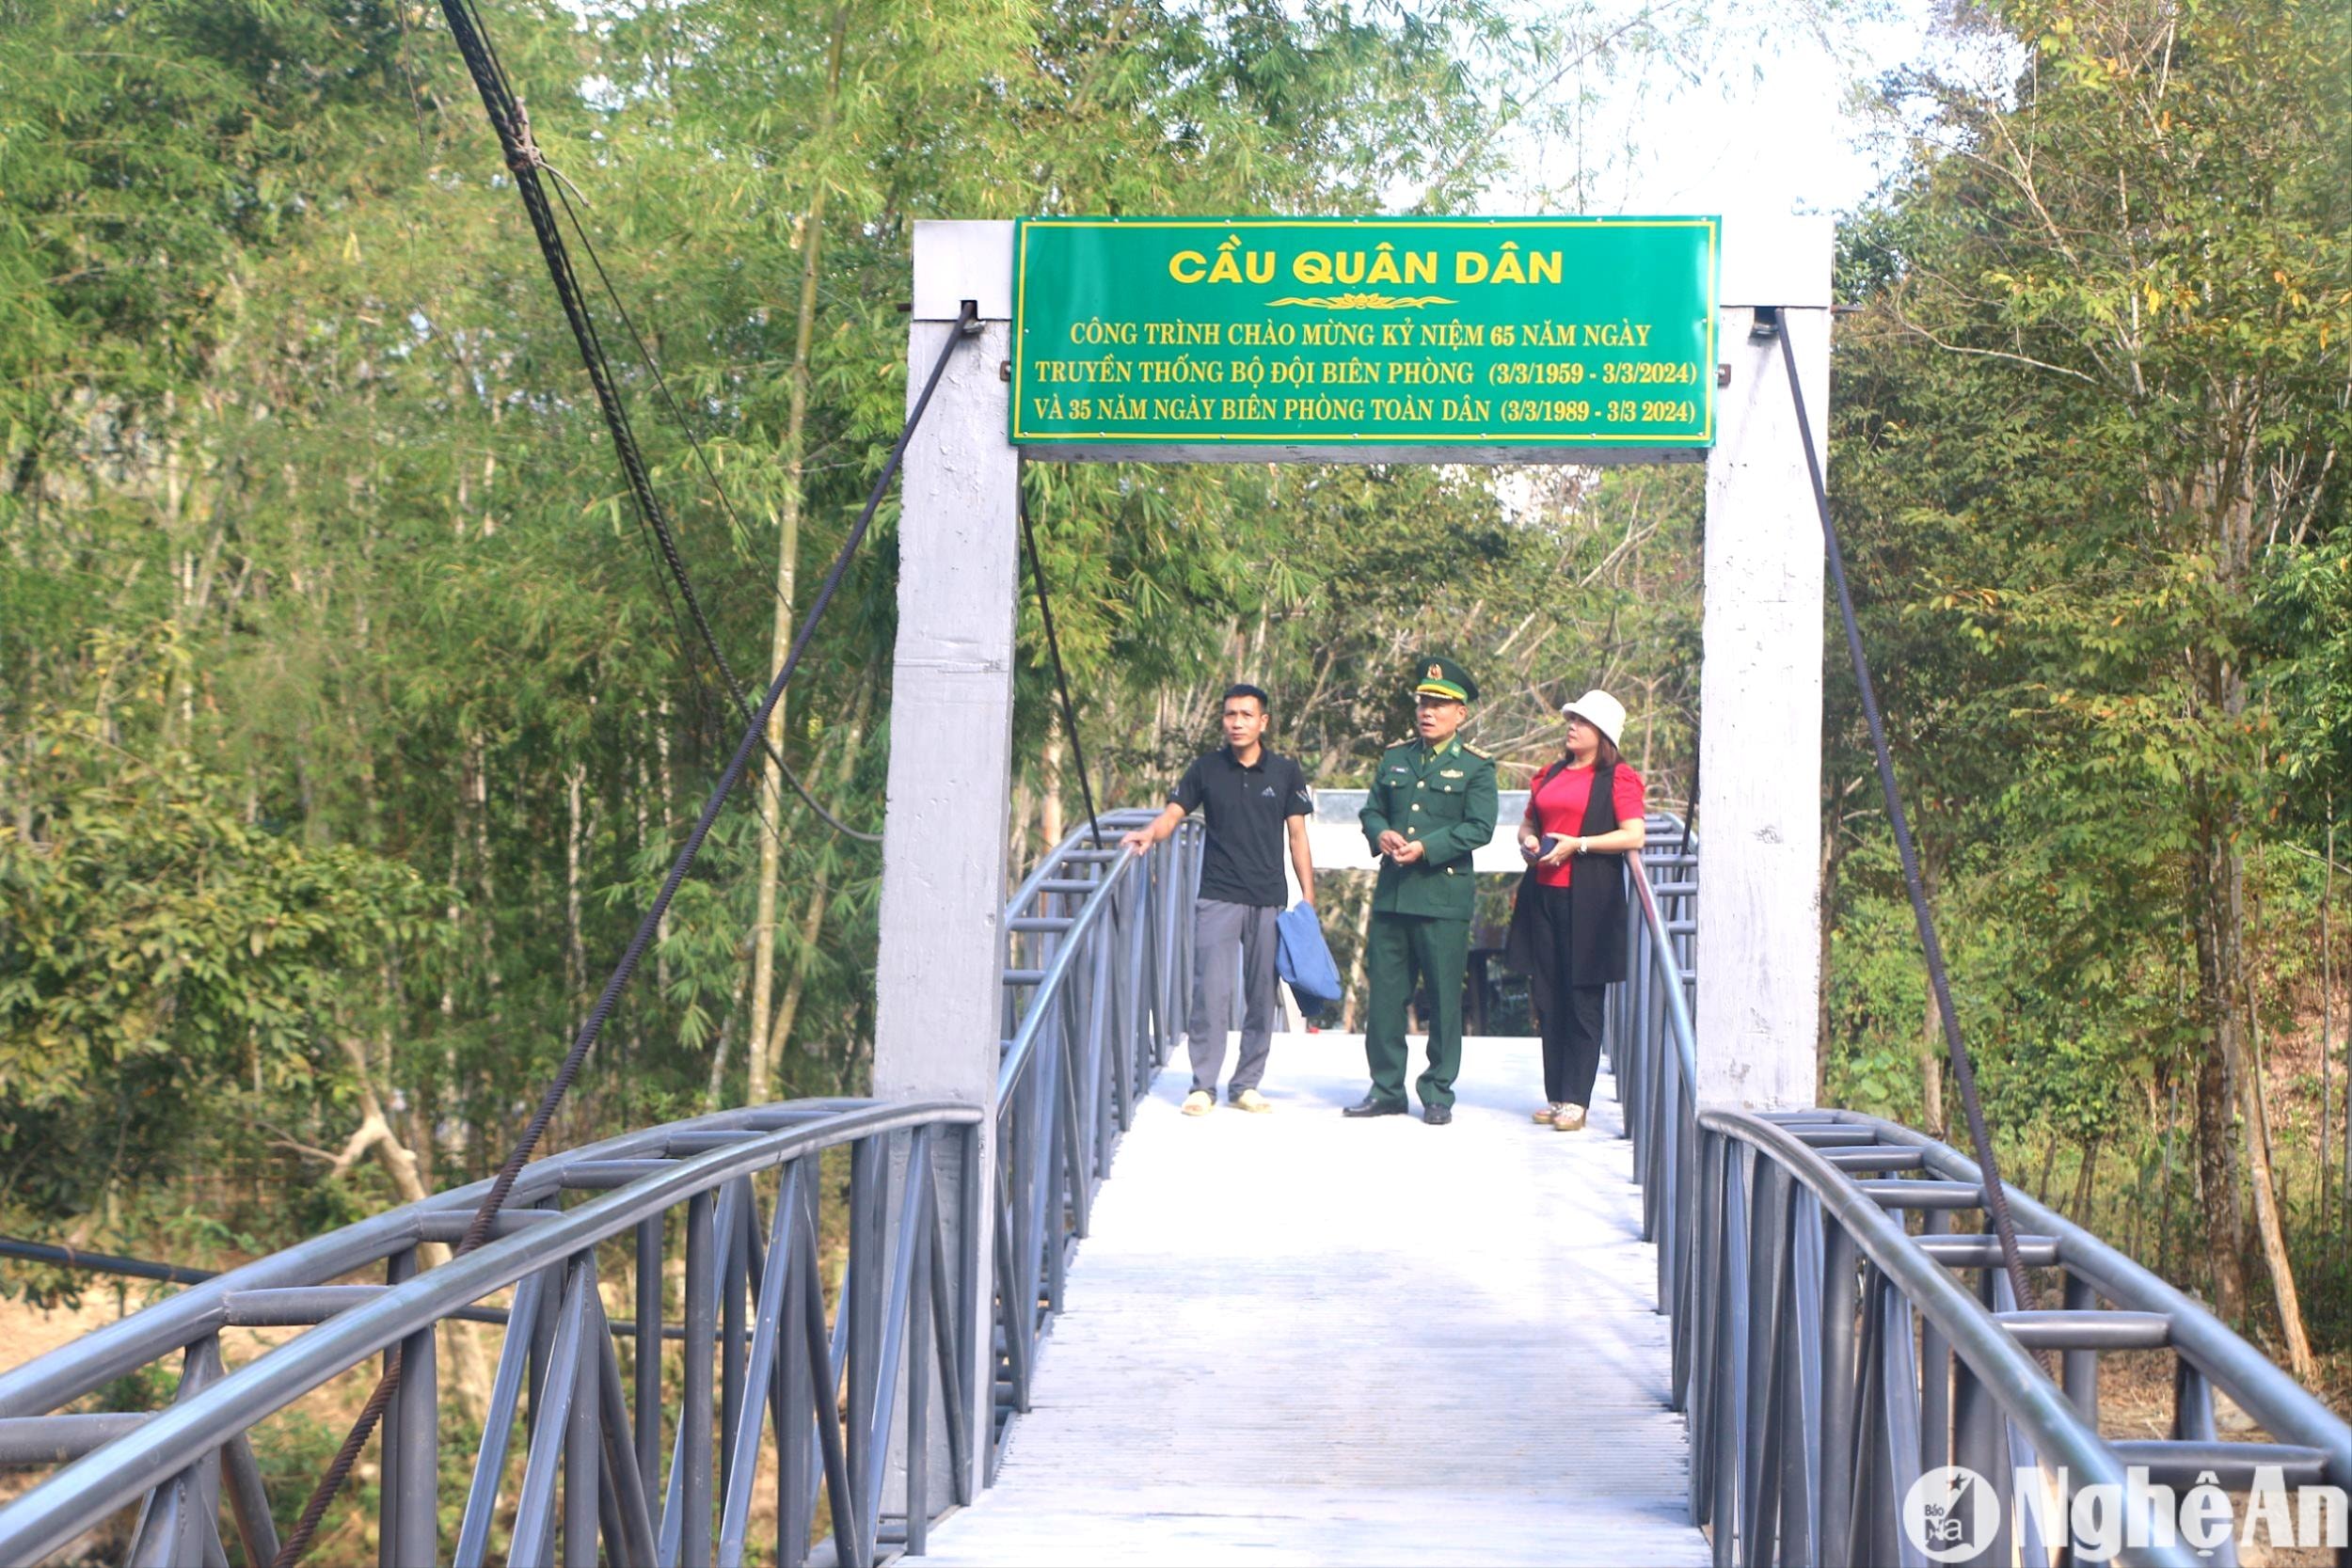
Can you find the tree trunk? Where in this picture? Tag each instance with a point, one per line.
(2266, 1218)
(574, 948)
(1826, 923)
(375, 1134)
(788, 562)
(712, 1097)
(813, 917)
(2326, 1017)
(1931, 1052)
(2086, 1183)
(2214, 880)
(662, 929)
(1049, 783)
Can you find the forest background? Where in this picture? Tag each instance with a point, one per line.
(346, 721)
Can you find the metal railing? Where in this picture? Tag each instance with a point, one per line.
(1827, 1352)
(761, 1363)
(833, 1402)
(1098, 965)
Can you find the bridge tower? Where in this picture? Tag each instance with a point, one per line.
(1757, 1017)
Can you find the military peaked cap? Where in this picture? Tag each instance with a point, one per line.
(1442, 677)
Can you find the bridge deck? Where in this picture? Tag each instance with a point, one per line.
(1297, 1339)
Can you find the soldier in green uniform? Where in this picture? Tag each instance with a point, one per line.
(1430, 807)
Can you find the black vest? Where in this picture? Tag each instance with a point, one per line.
(1597, 905)
(1597, 900)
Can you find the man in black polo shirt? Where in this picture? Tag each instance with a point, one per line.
(1252, 797)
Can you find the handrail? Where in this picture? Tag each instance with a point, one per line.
(58, 1510)
(779, 1381)
(1099, 903)
(1088, 1026)
(1827, 1354)
(79, 1368)
(2262, 1388)
(1089, 1023)
(2026, 1394)
(1661, 954)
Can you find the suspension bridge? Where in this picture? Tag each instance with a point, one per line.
(1721, 1325)
(1685, 1334)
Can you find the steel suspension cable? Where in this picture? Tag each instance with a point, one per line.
(1061, 678)
(478, 1229)
(524, 161)
(1963, 1073)
(676, 562)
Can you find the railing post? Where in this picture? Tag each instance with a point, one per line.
(1977, 1442)
(796, 1435)
(418, 1508)
(736, 1218)
(868, 1177)
(2081, 1367)
(693, 1462)
(1699, 1333)
(645, 1358)
(582, 1442)
(920, 1359)
(1764, 1418)
(1837, 1384)
(1728, 1402)
(405, 1530)
(1935, 1373)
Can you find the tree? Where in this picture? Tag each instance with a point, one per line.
(2125, 295)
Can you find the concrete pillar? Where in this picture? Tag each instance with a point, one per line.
(1759, 816)
(938, 1006)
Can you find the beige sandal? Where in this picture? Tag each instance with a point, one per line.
(1569, 1119)
(1545, 1113)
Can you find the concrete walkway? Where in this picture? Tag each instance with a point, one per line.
(1295, 1339)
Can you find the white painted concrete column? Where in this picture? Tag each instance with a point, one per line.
(1759, 816)
(938, 1003)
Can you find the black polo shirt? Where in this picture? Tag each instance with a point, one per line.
(1246, 810)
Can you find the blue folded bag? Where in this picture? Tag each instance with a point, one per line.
(1303, 959)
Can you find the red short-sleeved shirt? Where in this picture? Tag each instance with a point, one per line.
(1559, 805)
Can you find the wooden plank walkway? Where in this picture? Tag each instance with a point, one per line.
(1295, 1339)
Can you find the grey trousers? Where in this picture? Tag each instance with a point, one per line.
(1220, 933)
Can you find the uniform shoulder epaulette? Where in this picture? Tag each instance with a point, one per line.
(1483, 756)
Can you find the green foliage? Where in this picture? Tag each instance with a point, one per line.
(157, 950)
(2304, 617)
(341, 702)
(2087, 432)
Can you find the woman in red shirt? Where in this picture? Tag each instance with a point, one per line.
(1568, 931)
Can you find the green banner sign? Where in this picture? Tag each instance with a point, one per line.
(1470, 332)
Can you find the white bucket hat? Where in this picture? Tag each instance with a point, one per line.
(1600, 710)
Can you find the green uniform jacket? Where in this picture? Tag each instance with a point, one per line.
(1444, 800)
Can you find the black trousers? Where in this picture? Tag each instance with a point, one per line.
(1571, 1028)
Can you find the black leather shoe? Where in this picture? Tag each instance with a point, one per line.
(1372, 1106)
(1437, 1116)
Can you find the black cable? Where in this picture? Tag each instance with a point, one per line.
(1995, 1195)
(524, 160)
(102, 1262)
(1691, 808)
(1061, 679)
(669, 554)
(478, 1229)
